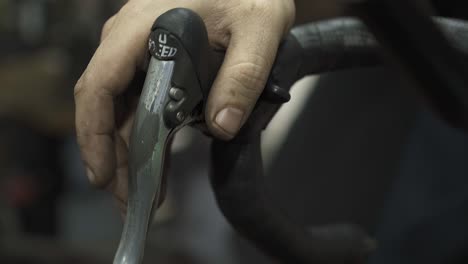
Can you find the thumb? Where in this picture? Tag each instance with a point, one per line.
(241, 80)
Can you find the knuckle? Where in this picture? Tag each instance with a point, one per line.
(128, 8)
(249, 79)
(107, 27)
(81, 84)
(261, 6)
(78, 87)
(134, 9)
(270, 12)
(83, 139)
(257, 10)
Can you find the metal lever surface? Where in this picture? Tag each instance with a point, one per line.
(171, 98)
(149, 139)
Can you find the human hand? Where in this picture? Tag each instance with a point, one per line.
(249, 30)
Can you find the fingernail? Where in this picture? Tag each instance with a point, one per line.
(90, 174)
(230, 120)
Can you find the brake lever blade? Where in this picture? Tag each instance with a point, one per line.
(179, 76)
(149, 139)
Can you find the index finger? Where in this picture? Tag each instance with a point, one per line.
(108, 74)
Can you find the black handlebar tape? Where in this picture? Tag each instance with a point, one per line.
(239, 189)
(238, 184)
(423, 51)
(345, 43)
(237, 172)
(336, 44)
(456, 31)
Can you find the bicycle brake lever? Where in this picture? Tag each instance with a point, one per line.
(172, 97)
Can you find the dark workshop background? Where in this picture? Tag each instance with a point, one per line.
(364, 149)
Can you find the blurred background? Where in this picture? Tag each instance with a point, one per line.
(355, 146)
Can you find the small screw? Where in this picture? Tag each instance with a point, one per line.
(176, 93)
(180, 116)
